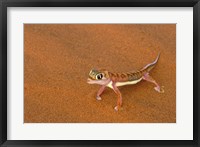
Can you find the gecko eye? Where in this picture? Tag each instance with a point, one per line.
(99, 76)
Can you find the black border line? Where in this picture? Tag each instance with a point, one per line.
(98, 3)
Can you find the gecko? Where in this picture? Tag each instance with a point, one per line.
(113, 80)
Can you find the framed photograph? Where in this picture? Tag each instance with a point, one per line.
(76, 73)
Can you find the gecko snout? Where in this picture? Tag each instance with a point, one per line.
(89, 81)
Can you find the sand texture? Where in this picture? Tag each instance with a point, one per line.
(58, 58)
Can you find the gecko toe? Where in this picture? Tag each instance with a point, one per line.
(98, 98)
(116, 108)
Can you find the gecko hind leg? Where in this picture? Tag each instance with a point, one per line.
(100, 92)
(158, 88)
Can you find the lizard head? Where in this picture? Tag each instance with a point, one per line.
(98, 77)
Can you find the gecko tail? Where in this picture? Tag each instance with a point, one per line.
(150, 66)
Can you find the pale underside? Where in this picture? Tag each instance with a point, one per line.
(123, 83)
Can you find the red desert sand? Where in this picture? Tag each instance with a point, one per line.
(58, 58)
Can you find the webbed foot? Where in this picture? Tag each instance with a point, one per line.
(159, 89)
(98, 98)
(118, 108)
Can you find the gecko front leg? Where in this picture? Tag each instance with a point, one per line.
(119, 99)
(100, 92)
